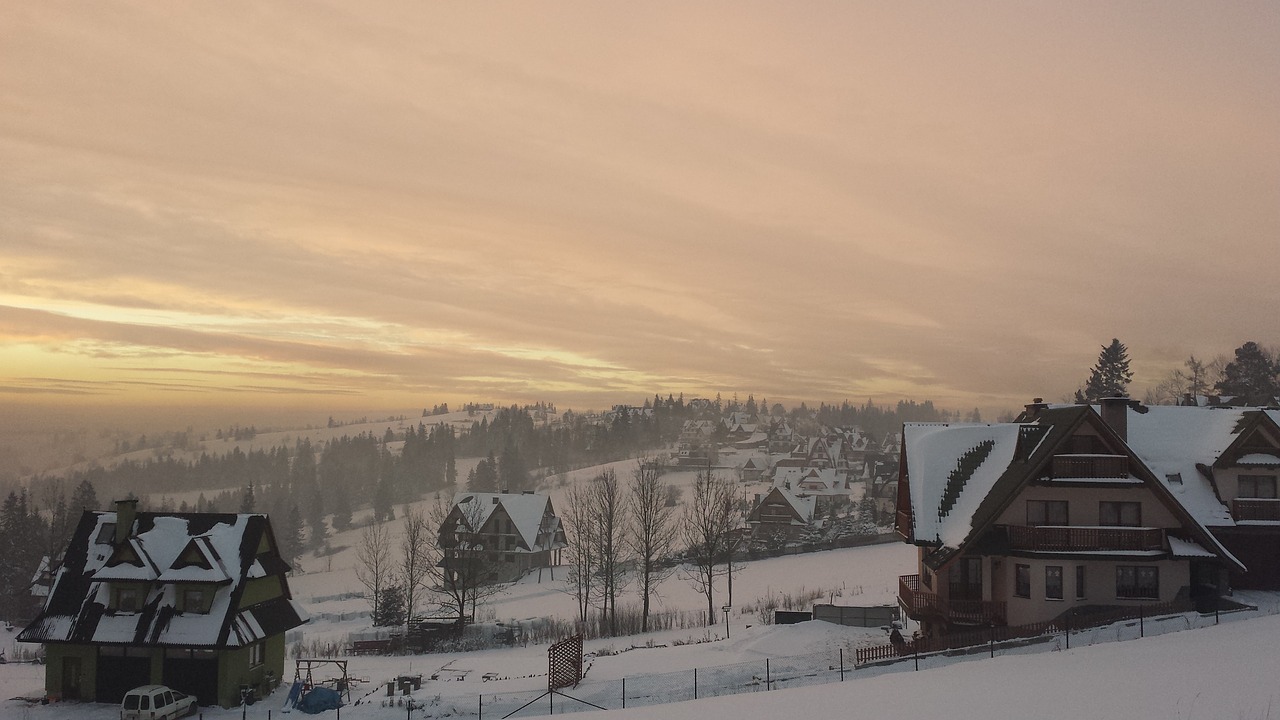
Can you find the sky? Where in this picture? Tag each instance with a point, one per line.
(328, 205)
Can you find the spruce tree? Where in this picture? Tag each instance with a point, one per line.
(1251, 378)
(1110, 376)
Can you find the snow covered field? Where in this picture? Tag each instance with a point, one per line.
(1214, 672)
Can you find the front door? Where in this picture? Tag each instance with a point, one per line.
(70, 678)
(966, 579)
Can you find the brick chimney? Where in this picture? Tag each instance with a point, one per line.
(126, 511)
(1115, 413)
(1033, 409)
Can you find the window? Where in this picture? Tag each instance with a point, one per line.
(256, 652)
(1047, 512)
(1079, 582)
(128, 598)
(1258, 486)
(1053, 582)
(1022, 580)
(195, 600)
(1128, 514)
(1137, 582)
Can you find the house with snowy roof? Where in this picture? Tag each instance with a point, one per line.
(195, 601)
(517, 532)
(1221, 462)
(780, 516)
(1019, 523)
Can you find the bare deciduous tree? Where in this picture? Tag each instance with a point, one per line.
(374, 565)
(415, 559)
(465, 571)
(709, 529)
(651, 532)
(608, 510)
(579, 532)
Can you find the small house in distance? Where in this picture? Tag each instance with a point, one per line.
(195, 601)
(516, 532)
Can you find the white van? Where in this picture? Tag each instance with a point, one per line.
(156, 701)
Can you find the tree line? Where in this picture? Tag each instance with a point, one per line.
(1249, 377)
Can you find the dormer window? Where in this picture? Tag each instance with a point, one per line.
(1258, 486)
(126, 598)
(196, 600)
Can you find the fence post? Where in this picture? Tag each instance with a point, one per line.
(480, 698)
(1141, 631)
(841, 664)
(766, 675)
(624, 693)
(695, 683)
(1069, 628)
(992, 641)
(915, 646)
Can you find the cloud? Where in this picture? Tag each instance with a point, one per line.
(598, 202)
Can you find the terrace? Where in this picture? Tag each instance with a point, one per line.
(922, 603)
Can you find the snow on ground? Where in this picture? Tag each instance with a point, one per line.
(1224, 671)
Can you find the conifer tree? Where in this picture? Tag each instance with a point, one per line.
(1251, 377)
(1110, 376)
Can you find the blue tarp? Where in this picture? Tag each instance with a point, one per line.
(320, 699)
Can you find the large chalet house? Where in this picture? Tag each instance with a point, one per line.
(1074, 506)
(515, 532)
(195, 601)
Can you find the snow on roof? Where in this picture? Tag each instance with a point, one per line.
(524, 509)
(1173, 440)
(83, 587)
(1186, 548)
(1259, 459)
(935, 455)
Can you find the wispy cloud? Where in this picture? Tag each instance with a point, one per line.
(448, 202)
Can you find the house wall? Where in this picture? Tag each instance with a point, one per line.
(53, 679)
(1228, 479)
(261, 589)
(234, 671)
(1100, 585)
(1082, 507)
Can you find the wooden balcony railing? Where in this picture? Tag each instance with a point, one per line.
(1063, 538)
(921, 603)
(1090, 466)
(1255, 509)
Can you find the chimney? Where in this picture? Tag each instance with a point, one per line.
(126, 511)
(1115, 413)
(1033, 410)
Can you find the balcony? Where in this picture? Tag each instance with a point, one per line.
(1064, 538)
(1090, 466)
(924, 604)
(1255, 509)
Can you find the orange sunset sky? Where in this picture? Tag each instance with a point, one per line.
(333, 205)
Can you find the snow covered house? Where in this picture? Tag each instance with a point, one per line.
(1018, 523)
(517, 532)
(780, 516)
(195, 601)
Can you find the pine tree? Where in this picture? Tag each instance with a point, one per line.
(1251, 377)
(247, 501)
(84, 497)
(1110, 376)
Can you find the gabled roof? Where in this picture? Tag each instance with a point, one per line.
(801, 507)
(962, 477)
(176, 547)
(526, 511)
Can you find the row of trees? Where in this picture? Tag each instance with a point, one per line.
(440, 563)
(617, 535)
(1250, 377)
(31, 529)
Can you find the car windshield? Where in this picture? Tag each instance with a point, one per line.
(130, 702)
